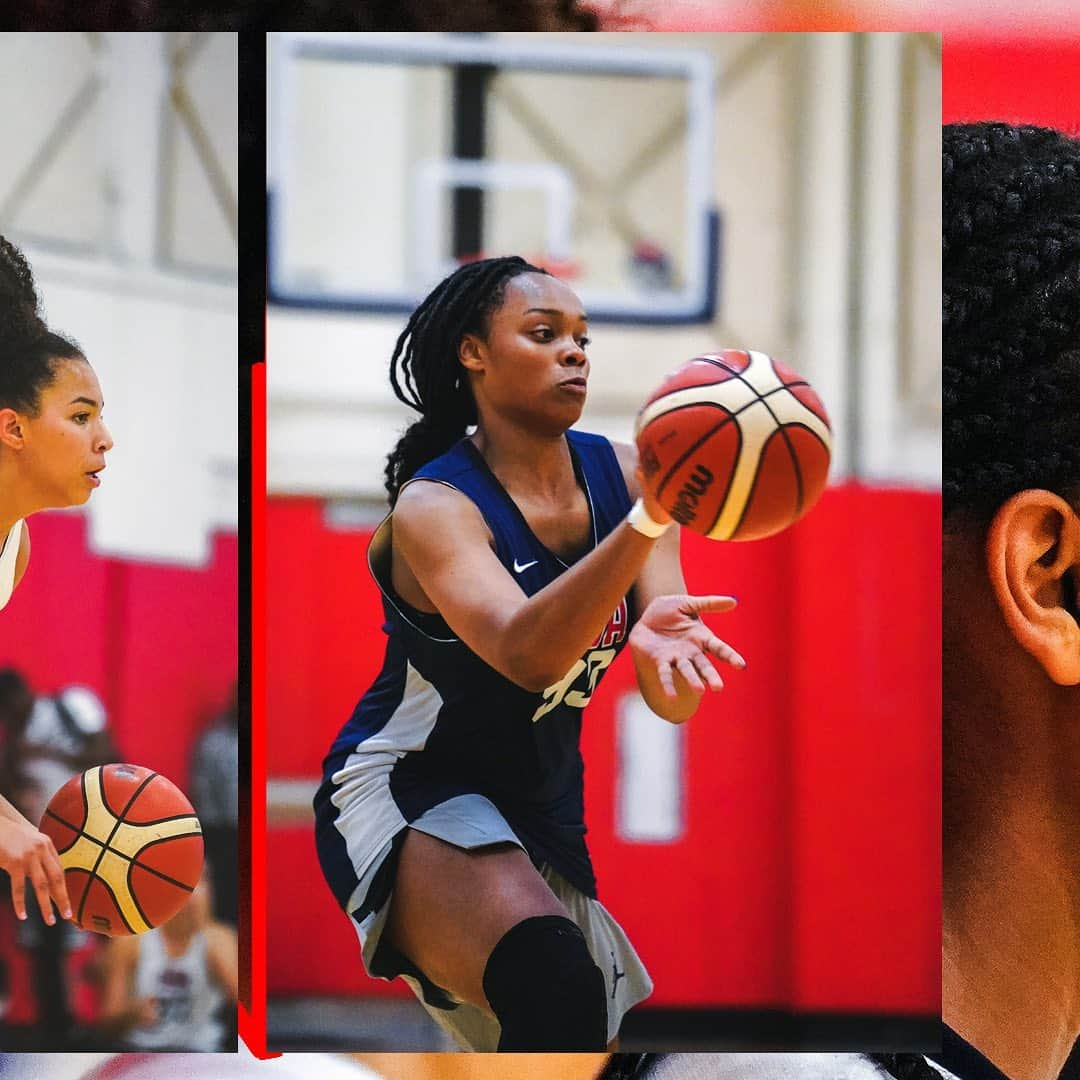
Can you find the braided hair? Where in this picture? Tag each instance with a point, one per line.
(28, 349)
(1010, 314)
(311, 15)
(424, 370)
(899, 1066)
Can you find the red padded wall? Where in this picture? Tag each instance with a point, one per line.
(809, 872)
(157, 642)
(1023, 81)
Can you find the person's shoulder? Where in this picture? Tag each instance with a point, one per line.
(425, 503)
(423, 497)
(220, 935)
(450, 463)
(625, 454)
(589, 441)
(440, 484)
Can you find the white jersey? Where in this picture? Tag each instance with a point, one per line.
(9, 552)
(186, 995)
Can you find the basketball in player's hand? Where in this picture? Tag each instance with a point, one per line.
(130, 845)
(734, 445)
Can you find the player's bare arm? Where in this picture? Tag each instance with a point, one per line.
(221, 958)
(533, 641)
(673, 649)
(29, 855)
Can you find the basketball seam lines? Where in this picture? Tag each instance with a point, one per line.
(115, 899)
(749, 494)
(133, 859)
(131, 869)
(67, 825)
(727, 420)
(781, 428)
(150, 870)
(86, 813)
(119, 821)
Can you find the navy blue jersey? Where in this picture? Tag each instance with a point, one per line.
(439, 722)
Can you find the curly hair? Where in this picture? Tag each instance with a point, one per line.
(641, 1066)
(424, 369)
(1010, 314)
(292, 15)
(29, 350)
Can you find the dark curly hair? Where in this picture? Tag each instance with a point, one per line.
(300, 15)
(899, 1066)
(424, 370)
(1010, 314)
(28, 348)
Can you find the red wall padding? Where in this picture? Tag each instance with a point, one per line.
(1027, 81)
(157, 642)
(809, 873)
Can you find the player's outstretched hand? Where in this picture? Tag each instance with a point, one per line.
(673, 636)
(27, 853)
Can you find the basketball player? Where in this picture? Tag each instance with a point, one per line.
(53, 441)
(450, 818)
(1011, 630)
(164, 990)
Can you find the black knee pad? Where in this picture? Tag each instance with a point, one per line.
(544, 988)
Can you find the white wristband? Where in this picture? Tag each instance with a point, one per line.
(639, 519)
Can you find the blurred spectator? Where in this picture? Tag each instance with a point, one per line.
(46, 741)
(214, 776)
(67, 733)
(168, 989)
(16, 704)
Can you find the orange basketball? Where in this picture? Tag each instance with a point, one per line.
(130, 844)
(734, 445)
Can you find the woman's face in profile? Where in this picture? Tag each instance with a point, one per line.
(66, 442)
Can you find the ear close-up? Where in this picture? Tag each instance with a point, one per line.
(1033, 559)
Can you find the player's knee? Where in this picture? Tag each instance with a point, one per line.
(545, 989)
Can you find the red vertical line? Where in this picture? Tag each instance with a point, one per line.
(253, 1024)
(251, 100)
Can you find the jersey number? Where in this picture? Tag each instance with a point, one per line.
(559, 692)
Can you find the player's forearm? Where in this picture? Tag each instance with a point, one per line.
(9, 813)
(675, 710)
(553, 628)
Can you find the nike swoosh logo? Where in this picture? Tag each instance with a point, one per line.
(518, 568)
